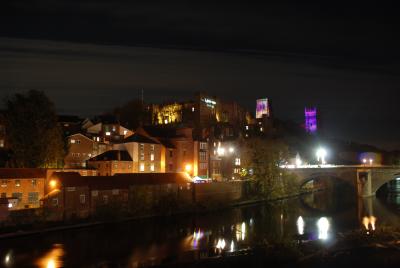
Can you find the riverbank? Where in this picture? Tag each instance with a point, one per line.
(44, 227)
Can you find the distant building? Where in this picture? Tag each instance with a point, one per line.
(145, 152)
(81, 148)
(112, 162)
(2, 131)
(310, 119)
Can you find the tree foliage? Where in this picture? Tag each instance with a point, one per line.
(132, 114)
(34, 137)
(262, 158)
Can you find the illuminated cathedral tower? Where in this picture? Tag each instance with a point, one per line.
(311, 119)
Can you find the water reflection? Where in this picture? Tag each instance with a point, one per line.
(369, 221)
(53, 258)
(300, 225)
(153, 242)
(323, 228)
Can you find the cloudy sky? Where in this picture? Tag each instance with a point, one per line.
(90, 56)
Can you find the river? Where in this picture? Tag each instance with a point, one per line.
(321, 215)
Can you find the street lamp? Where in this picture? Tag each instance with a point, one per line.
(370, 161)
(321, 153)
(188, 168)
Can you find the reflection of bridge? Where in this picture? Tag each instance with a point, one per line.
(365, 179)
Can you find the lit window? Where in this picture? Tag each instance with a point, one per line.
(151, 157)
(165, 121)
(33, 197)
(247, 127)
(125, 131)
(108, 133)
(3, 183)
(152, 167)
(141, 167)
(1, 143)
(261, 129)
(98, 138)
(34, 182)
(192, 109)
(17, 183)
(114, 128)
(72, 141)
(152, 146)
(237, 161)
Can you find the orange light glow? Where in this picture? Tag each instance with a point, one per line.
(188, 168)
(53, 183)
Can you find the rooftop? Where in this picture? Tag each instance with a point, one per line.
(112, 155)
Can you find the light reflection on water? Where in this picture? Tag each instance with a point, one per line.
(151, 242)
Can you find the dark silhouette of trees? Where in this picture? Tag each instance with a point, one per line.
(33, 135)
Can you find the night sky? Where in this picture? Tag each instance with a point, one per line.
(90, 56)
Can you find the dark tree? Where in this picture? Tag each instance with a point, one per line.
(33, 135)
(133, 114)
(261, 159)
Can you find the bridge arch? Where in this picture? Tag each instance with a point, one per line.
(380, 181)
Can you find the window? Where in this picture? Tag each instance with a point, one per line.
(141, 167)
(17, 195)
(203, 146)
(3, 195)
(141, 151)
(203, 156)
(115, 166)
(125, 132)
(95, 193)
(114, 128)
(33, 197)
(152, 146)
(3, 183)
(108, 133)
(203, 165)
(82, 199)
(17, 183)
(237, 161)
(72, 141)
(152, 157)
(170, 153)
(247, 127)
(152, 167)
(105, 199)
(115, 191)
(192, 109)
(54, 202)
(78, 141)
(1, 143)
(129, 166)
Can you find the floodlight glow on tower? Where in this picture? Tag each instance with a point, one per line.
(310, 119)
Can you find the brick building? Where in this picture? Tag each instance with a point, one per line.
(112, 162)
(27, 185)
(75, 196)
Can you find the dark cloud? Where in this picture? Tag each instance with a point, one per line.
(92, 55)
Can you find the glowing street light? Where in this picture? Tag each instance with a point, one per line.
(53, 183)
(321, 153)
(188, 168)
(370, 161)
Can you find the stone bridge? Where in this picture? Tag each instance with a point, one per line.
(366, 180)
